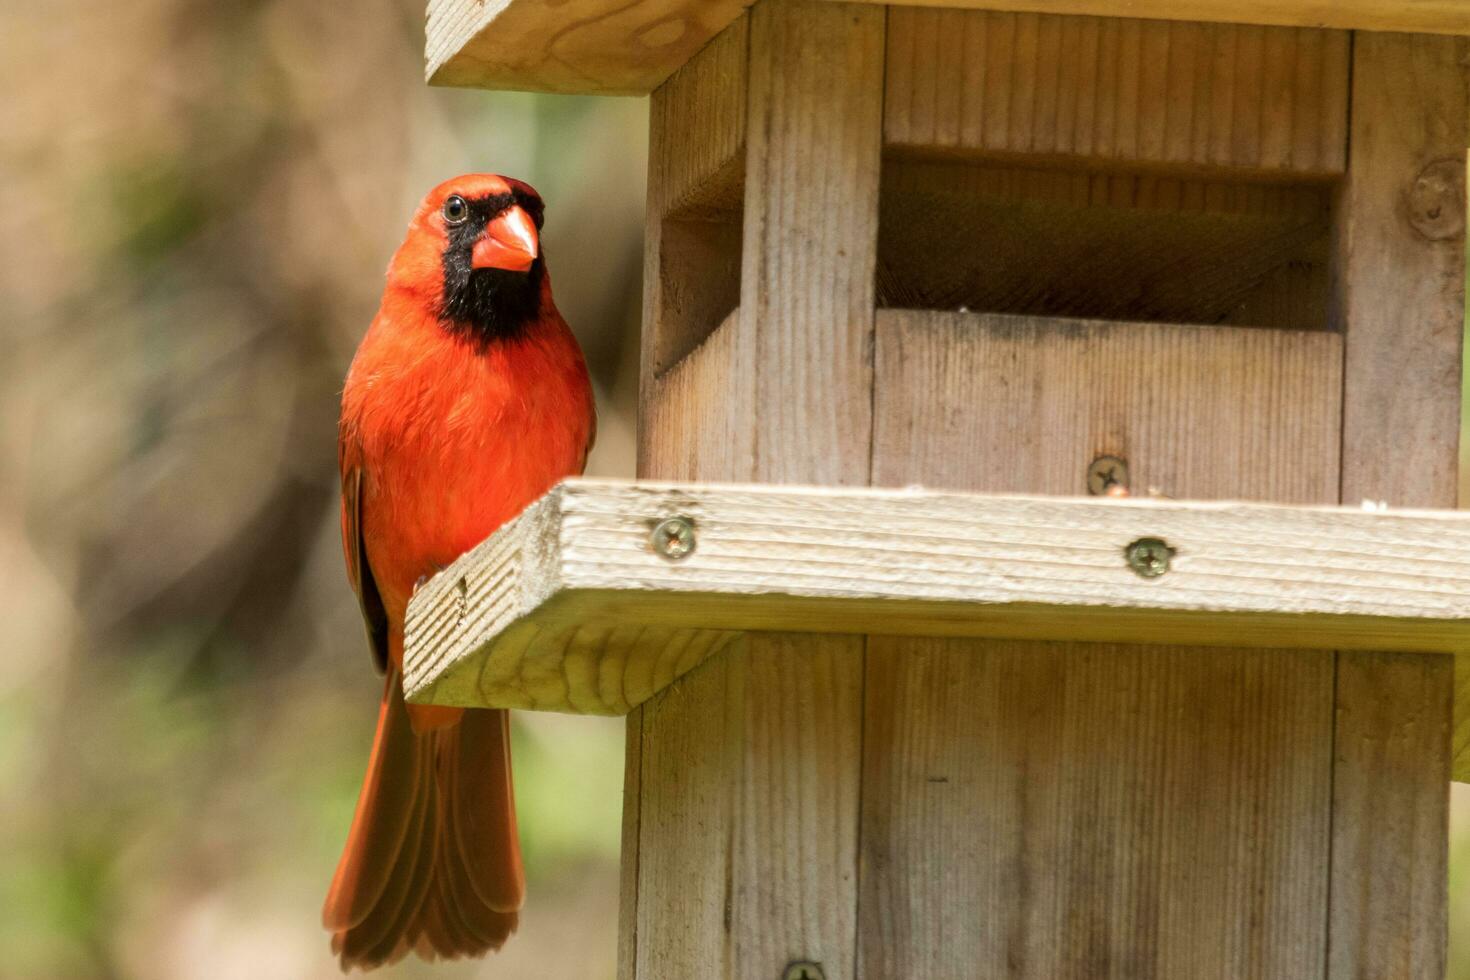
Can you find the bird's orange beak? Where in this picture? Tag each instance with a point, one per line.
(509, 243)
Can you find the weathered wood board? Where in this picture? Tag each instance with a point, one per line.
(1112, 89)
(568, 608)
(615, 47)
(779, 767)
(1084, 810)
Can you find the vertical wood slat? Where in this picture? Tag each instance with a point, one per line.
(629, 847)
(1035, 811)
(1390, 843)
(690, 759)
(807, 295)
(1258, 98)
(811, 219)
(748, 834)
(677, 791)
(794, 866)
(1402, 268)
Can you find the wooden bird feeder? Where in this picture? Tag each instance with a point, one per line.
(1011, 251)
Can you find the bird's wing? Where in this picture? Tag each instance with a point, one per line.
(359, 573)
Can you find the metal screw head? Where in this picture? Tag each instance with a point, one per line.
(673, 538)
(803, 970)
(1108, 477)
(1149, 557)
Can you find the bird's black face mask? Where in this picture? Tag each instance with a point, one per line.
(493, 267)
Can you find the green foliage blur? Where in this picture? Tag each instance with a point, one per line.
(198, 201)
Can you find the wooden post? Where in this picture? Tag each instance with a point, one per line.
(779, 392)
(1402, 286)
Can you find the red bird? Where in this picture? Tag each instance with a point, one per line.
(468, 399)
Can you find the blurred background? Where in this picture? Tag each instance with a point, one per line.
(197, 204)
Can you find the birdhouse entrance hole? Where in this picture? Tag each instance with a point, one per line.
(1112, 244)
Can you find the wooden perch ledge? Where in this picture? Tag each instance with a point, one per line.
(571, 607)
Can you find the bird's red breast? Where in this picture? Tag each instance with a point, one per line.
(455, 440)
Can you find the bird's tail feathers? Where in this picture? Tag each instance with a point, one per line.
(432, 862)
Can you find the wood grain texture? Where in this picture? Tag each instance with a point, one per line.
(1390, 816)
(1107, 89)
(628, 863)
(696, 418)
(606, 47)
(696, 176)
(619, 47)
(696, 121)
(1060, 393)
(794, 875)
(693, 424)
(1403, 262)
(1402, 296)
(1420, 16)
(689, 775)
(1037, 241)
(568, 605)
(787, 767)
(811, 229)
(1070, 810)
(1104, 838)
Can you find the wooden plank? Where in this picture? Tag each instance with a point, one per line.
(579, 564)
(787, 763)
(1390, 817)
(696, 126)
(794, 879)
(689, 777)
(1071, 810)
(616, 47)
(1403, 261)
(1401, 249)
(628, 863)
(1163, 109)
(695, 421)
(1067, 392)
(1418, 16)
(811, 229)
(607, 47)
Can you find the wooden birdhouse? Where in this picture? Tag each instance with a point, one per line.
(904, 701)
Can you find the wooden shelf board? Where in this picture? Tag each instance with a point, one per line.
(568, 608)
(612, 47)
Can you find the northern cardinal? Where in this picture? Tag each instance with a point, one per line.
(468, 399)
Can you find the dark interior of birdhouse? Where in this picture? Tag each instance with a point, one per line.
(1065, 239)
(699, 264)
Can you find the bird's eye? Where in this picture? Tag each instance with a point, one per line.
(455, 210)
